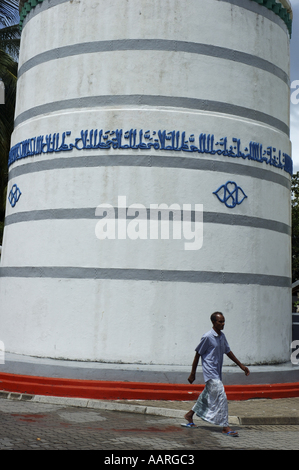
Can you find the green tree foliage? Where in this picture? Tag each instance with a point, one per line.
(9, 12)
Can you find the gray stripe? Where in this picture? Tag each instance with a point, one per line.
(154, 45)
(246, 221)
(246, 4)
(156, 101)
(149, 161)
(55, 272)
(89, 213)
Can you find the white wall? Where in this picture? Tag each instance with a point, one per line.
(243, 268)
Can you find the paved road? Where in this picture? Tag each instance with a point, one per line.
(26, 425)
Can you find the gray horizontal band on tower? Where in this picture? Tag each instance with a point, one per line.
(154, 45)
(246, 4)
(150, 161)
(57, 272)
(89, 213)
(155, 101)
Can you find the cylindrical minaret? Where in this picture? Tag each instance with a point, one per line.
(136, 106)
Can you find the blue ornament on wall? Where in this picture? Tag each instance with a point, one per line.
(230, 194)
(14, 195)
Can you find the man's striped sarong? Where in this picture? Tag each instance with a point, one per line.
(212, 405)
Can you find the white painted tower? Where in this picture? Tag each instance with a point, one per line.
(149, 102)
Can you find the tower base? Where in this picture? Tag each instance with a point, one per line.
(24, 374)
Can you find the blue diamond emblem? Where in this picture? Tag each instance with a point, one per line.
(230, 194)
(14, 195)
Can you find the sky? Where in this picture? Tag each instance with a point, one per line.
(294, 134)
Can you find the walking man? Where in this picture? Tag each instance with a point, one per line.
(212, 405)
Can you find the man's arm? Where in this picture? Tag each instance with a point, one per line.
(194, 367)
(236, 361)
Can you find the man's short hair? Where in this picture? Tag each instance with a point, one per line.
(214, 316)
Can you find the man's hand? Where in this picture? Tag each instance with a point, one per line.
(246, 370)
(191, 378)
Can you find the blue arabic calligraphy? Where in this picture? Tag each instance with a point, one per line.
(157, 140)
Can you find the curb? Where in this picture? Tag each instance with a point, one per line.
(94, 404)
(140, 409)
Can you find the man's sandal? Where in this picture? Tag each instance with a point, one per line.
(231, 433)
(189, 425)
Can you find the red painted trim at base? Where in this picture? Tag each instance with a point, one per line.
(96, 389)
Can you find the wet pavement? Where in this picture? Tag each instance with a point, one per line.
(27, 425)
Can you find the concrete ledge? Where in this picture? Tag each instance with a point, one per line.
(120, 390)
(18, 364)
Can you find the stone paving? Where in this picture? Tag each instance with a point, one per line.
(30, 425)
